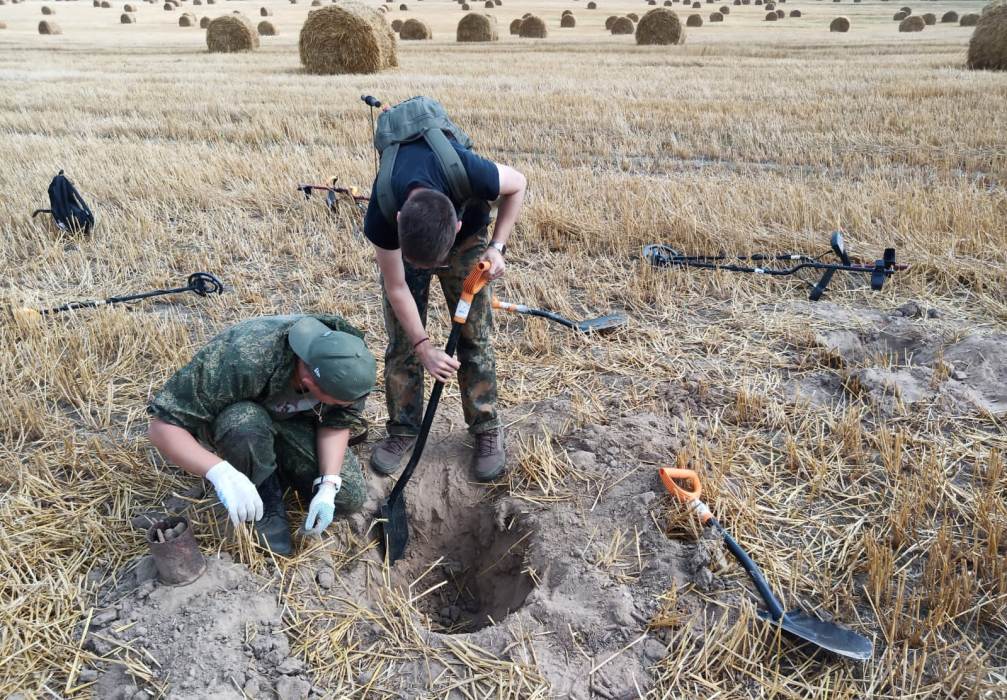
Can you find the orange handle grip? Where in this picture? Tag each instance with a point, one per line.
(474, 282)
(688, 495)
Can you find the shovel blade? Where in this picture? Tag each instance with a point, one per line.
(394, 528)
(602, 324)
(827, 635)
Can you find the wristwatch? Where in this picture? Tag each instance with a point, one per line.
(333, 479)
(501, 247)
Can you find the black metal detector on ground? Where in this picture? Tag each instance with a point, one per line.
(664, 256)
(200, 283)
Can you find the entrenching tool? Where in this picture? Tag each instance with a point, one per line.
(393, 518)
(665, 256)
(800, 624)
(201, 283)
(601, 324)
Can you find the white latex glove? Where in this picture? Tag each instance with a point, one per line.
(322, 508)
(236, 492)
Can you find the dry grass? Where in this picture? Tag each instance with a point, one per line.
(894, 524)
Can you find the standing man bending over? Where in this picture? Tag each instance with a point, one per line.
(275, 399)
(422, 222)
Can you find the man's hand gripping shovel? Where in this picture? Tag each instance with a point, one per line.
(393, 518)
(798, 623)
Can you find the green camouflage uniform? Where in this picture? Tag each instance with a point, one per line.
(224, 397)
(477, 375)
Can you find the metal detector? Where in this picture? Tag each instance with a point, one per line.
(200, 283)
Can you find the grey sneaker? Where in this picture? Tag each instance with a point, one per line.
(386, 457)
(490, 458)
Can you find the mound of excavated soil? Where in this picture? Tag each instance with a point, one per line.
(905, 357)
(220, 636)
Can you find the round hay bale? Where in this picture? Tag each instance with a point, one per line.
(396, 25)
(694, 21)
(667, 3)
(988, 46)
(414, 30)
(737, 2)
(840, 24)
(566, 12)
(404, 7)
(912, 24)
(187, 19)
(96, 3)
(716, 17)
(758, 2)
(231, 33)
(126, 18)
(533, 28)
(265, 12)
(795, 13)
(771, 17)
(622, 25)
(106, 4)
(128, 8)
(465, 7)
(899, 16)
(930, 18)
(266, 28)
(633, 16)
(347, 38)
(696, 5)
(498, 3)
(770, 6)
(477, 27)
(567, 21)
(316, 3)
(46, 10)
(660, 27)
(969, 20)
(609, 21)
(526, 15)
(515, 26)
(780, 14)
(168, 7)
(592, 6)
(725, 9)
(204, 23)
(950, 16)
(489, 5)
(49, 27)
(908, 10)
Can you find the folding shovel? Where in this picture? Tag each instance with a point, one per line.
(798, 623)
(393, 518)
(601, 324)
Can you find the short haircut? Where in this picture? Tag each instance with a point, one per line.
(427, 227)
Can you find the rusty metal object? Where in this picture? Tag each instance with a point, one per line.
(176, 553)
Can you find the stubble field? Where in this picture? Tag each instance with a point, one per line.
(854, 446)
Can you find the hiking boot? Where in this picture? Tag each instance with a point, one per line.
(274, 528)
(490, 458)
(386, 457)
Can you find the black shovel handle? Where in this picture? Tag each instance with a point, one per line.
(772, 603)
(428, 419)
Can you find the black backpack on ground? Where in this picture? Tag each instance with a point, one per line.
(68, 208)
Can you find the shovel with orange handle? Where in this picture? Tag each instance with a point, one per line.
(800, 624)
(393, 518)
(601, 324)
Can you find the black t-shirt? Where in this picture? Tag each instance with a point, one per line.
(417, 166)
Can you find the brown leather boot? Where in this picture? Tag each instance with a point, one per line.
(490, 458)
(386, 457)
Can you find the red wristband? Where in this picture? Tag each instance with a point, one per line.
(419, 342)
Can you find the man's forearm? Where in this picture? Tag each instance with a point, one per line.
(404, 308)
(507, 213)
(179, 447)
(331, 445)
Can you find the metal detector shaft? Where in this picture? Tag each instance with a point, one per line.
(201, 283)
(597, 325)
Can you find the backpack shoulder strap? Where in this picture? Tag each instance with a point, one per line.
(383, 184)
(451, 165)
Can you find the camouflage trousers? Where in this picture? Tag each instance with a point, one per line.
(477, 375)
(247, 436)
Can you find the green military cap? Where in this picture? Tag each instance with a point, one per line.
(342, 365)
